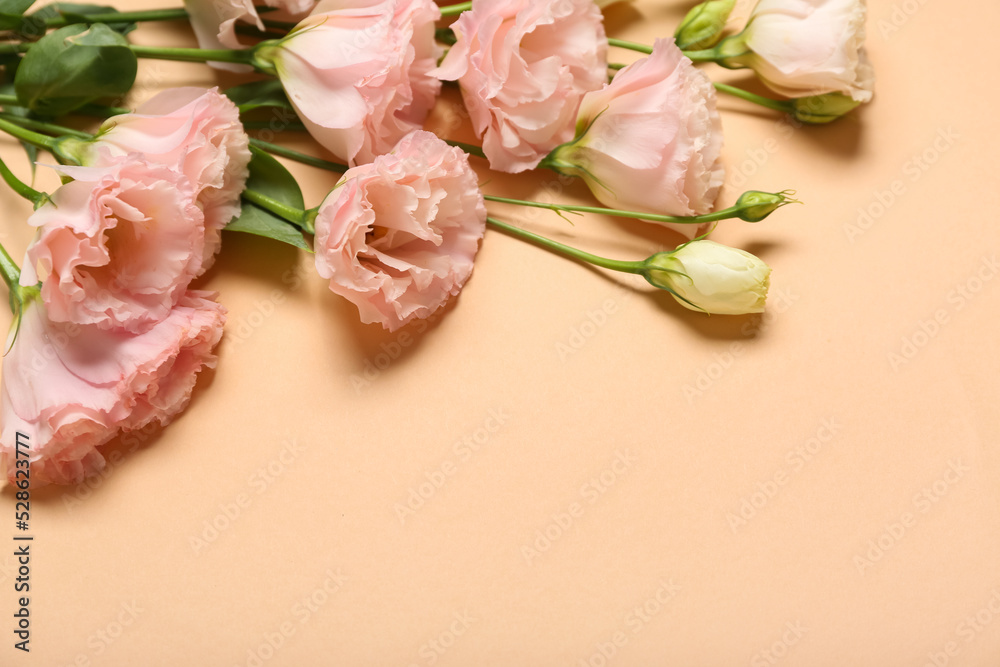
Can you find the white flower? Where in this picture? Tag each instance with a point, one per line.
(810, 47)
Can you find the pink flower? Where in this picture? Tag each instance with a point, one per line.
(71, 388)
(195, 131)
(654, 142)
(357, 73)
(801, 48)
(117, 246)
(214, 21)
(524, 66)
(397, 237)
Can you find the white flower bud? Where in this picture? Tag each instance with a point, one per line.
(710, 277)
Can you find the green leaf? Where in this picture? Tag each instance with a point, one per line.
(258, 94)
(73, 66)
(16, 7)
(77, 13)
(269, 177)
(255, 220)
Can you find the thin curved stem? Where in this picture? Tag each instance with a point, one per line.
(29, 136)
(121, 17)
(631, 46)
(724, 214)
(777, 105)
(567, 251)
(237, 56)
(48, 128)
(454, 10)
(319, 163)
(19, 186)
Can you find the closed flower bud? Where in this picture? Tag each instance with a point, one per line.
(710, 277)
(820, 109)
(703, 25)
(755, 205)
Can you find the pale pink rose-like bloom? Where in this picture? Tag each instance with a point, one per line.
(523, 66)
(398, 237)
(72, 388)
(654, 142)
(357, 73)
(117, 246)
(214, 22)
(801, 48)
(195, 131)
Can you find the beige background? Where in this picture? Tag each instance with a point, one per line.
(616, 476)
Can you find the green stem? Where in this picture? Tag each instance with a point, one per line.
(123, 17)
(563, 249)
(724, 214)
(778, 105)
(319, 163)
(11, 49)
(296, 216)
(632, 46)
(11, 271)
(238, 56)
(453, 10)
(19, 186)
(34, 138)
(48, 128)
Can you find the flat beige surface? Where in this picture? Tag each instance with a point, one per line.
(562, 470)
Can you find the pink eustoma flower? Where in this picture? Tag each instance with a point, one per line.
(398, 237)
(117, 246)
(214, 21)
(524, 66)
(193, 130)
(651, 139)
(72, 388)
(358, 73)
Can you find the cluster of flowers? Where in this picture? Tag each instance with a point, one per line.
(111, 337)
